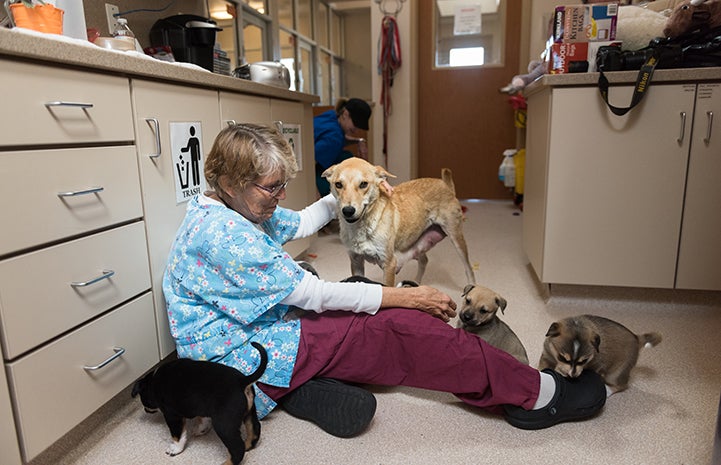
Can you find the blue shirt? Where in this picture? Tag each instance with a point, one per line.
(328, 138)
(223, 284)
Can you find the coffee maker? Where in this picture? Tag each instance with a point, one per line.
(190, 37)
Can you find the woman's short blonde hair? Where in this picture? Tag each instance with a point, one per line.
(243, 153)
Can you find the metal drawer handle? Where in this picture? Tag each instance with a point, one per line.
(709, 125)
(92, 190)
(118, 352)
(156, 128)
(60, 103)
(107, 274)
(278, 126)
(231, 122)
(683, 127)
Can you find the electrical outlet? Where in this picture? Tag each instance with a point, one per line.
(111, 11)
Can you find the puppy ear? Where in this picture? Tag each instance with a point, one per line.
(553, 330)
(467, 289)
(328, 172)
(136, 389)
(501, 302)
(596, 341)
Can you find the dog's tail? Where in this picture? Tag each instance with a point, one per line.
(255, 376)
(447, 177)
(648, 339)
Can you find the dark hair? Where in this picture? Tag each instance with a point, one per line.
(359, 111)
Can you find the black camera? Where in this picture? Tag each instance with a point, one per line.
(611, 58)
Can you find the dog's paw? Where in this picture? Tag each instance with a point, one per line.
(174, 449)
(202, 426)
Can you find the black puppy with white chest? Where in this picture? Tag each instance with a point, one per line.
(184, 389)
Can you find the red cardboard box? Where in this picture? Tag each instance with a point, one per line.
(575, 57)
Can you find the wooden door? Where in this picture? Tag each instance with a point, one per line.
(464, 122)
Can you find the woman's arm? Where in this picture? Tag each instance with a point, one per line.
(317, 295)
(424, 298)
(315, 216)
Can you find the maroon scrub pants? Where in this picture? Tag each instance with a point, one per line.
(409, 348)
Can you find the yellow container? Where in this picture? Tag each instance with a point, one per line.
(42, 18)
(519, 162)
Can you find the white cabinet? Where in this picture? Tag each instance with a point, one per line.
(157, 106)
(9, 450)
(604, 194)
(699, 256)
(73, 253)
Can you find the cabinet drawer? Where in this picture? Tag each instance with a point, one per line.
(44, 105)
(37, 204)
(53, 391)
(42, 292)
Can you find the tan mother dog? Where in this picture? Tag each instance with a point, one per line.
(389, 226)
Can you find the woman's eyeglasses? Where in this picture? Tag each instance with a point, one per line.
(273, 191)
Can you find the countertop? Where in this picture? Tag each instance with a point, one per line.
(63, 51)
(677, 75)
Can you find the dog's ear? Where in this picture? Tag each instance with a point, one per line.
(501, 302)
(382, 173)
(596, 341)
(383, 176)
(467, 289)
(136, 388)
(328, 172)
(553, 330)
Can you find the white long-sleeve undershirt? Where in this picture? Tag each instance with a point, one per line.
(318, 295)
(315, 216)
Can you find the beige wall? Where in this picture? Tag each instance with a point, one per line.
(358, 64)
(140, 23)
(402, 157)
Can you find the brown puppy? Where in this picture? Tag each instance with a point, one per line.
(590, 342)
(389, 226)
(478, 315)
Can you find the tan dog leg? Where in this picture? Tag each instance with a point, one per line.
(357, 264)
(460, 244)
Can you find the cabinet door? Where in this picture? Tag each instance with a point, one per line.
(615, 186)
(240, 108)
(296, 121)
(699, 259)
(160, 108)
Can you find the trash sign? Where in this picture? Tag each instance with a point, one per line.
(186, 145)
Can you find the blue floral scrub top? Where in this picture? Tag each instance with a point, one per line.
(223, 284)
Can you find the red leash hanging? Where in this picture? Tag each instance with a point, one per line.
(389, 60)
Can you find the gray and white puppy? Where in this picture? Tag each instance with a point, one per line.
(478, 316)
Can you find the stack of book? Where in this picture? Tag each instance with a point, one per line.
(221, 62)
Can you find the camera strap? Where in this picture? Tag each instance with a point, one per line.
(642, 82)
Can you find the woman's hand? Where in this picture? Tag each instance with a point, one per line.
(424, 298)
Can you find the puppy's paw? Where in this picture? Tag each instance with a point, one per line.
(202, 426)
(174, 448)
